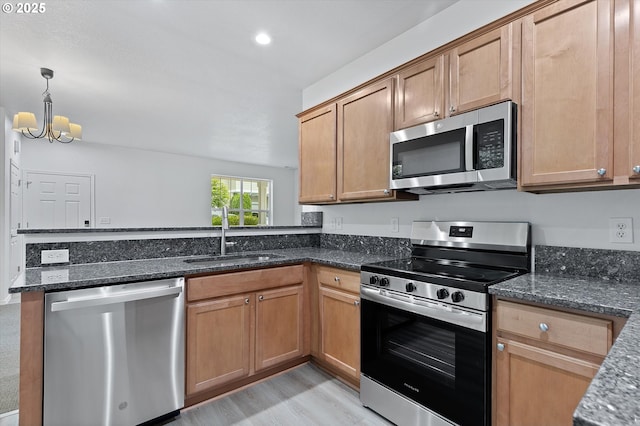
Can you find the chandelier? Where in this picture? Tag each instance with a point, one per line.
(55, 127)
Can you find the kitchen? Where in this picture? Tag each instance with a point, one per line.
(566, 219)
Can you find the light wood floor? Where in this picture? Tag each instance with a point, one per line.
(303, 396)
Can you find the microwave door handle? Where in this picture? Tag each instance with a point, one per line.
(469, 147)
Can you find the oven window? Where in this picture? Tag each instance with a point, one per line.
(429, 155)
(422, 347)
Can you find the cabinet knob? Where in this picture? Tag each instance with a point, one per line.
(246, 301)
(261, 298)
(436, 114)
(336, 279)
(356, 303)
(500, 347)
(543, 327)
(386, 192)
(331, 196)
(452, 109)
(636, 169)
(602, 172)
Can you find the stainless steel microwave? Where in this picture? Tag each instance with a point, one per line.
(473, 151)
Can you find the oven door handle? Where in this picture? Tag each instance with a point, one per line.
(473, 320)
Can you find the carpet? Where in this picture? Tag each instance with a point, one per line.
(9, 356)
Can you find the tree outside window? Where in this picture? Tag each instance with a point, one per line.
(248, 200)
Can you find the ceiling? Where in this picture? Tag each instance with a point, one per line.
(186, 76)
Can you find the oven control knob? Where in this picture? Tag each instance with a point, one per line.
(442, 293)
(457, 296)
(410, 287)
(373, 279)
(384, 282)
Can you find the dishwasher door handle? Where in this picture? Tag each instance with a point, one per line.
(128, 296)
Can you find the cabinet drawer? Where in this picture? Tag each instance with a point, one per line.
(339, 278)
(207, 287)
(573, 331)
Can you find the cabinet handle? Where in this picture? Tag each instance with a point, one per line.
(356, 303)
(261, 298)
(246, 301)
(336, 279)
(501, 347)
(543, 327)
(602, 172)
(636, 169)
(452, 109)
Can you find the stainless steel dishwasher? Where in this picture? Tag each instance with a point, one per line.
(114, 355)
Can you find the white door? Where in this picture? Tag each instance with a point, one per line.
(53, 201)
(15, 200)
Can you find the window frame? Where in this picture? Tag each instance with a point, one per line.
(241, 210)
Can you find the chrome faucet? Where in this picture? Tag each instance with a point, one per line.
(225, 227)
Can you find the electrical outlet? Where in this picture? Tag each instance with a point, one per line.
(55, 276)
(54, 256)
(338, 223)
(395, 224)
(621, 230)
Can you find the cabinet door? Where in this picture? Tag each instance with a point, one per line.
(365, 120)
(420, 93)
(481, 71)
(567, 106)
(218, 342)
(538, 387)
(340, 331)
(280, 326)
(634, 110)
(317, 156)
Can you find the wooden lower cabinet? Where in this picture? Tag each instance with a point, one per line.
(279, 326)
(218, 341)
(544, 362)
(537, 386)
(263, 326)
(338, 322)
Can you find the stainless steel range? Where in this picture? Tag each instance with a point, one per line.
(425, 322)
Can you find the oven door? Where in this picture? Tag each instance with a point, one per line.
(439, 365)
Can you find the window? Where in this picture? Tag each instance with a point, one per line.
(255, 208)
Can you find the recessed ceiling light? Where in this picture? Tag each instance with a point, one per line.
(263, 38)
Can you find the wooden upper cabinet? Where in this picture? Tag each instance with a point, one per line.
(365, 120)
(627, 92)
(317, 155)
(420, 93)
(481, 71)
(567, 101)
(634, 111)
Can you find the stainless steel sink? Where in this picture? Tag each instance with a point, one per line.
(238, 259)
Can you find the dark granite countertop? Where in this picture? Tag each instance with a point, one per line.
(613, 397)
(68, 277)
(158, 229)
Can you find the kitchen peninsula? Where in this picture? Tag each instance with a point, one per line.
(610, 399)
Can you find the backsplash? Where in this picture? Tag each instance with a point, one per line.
(116, 250)
(613, 265)
(400, 247)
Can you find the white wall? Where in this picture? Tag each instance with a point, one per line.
(137, 188)
(570, 219)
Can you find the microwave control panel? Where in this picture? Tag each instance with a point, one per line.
(490, 145)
